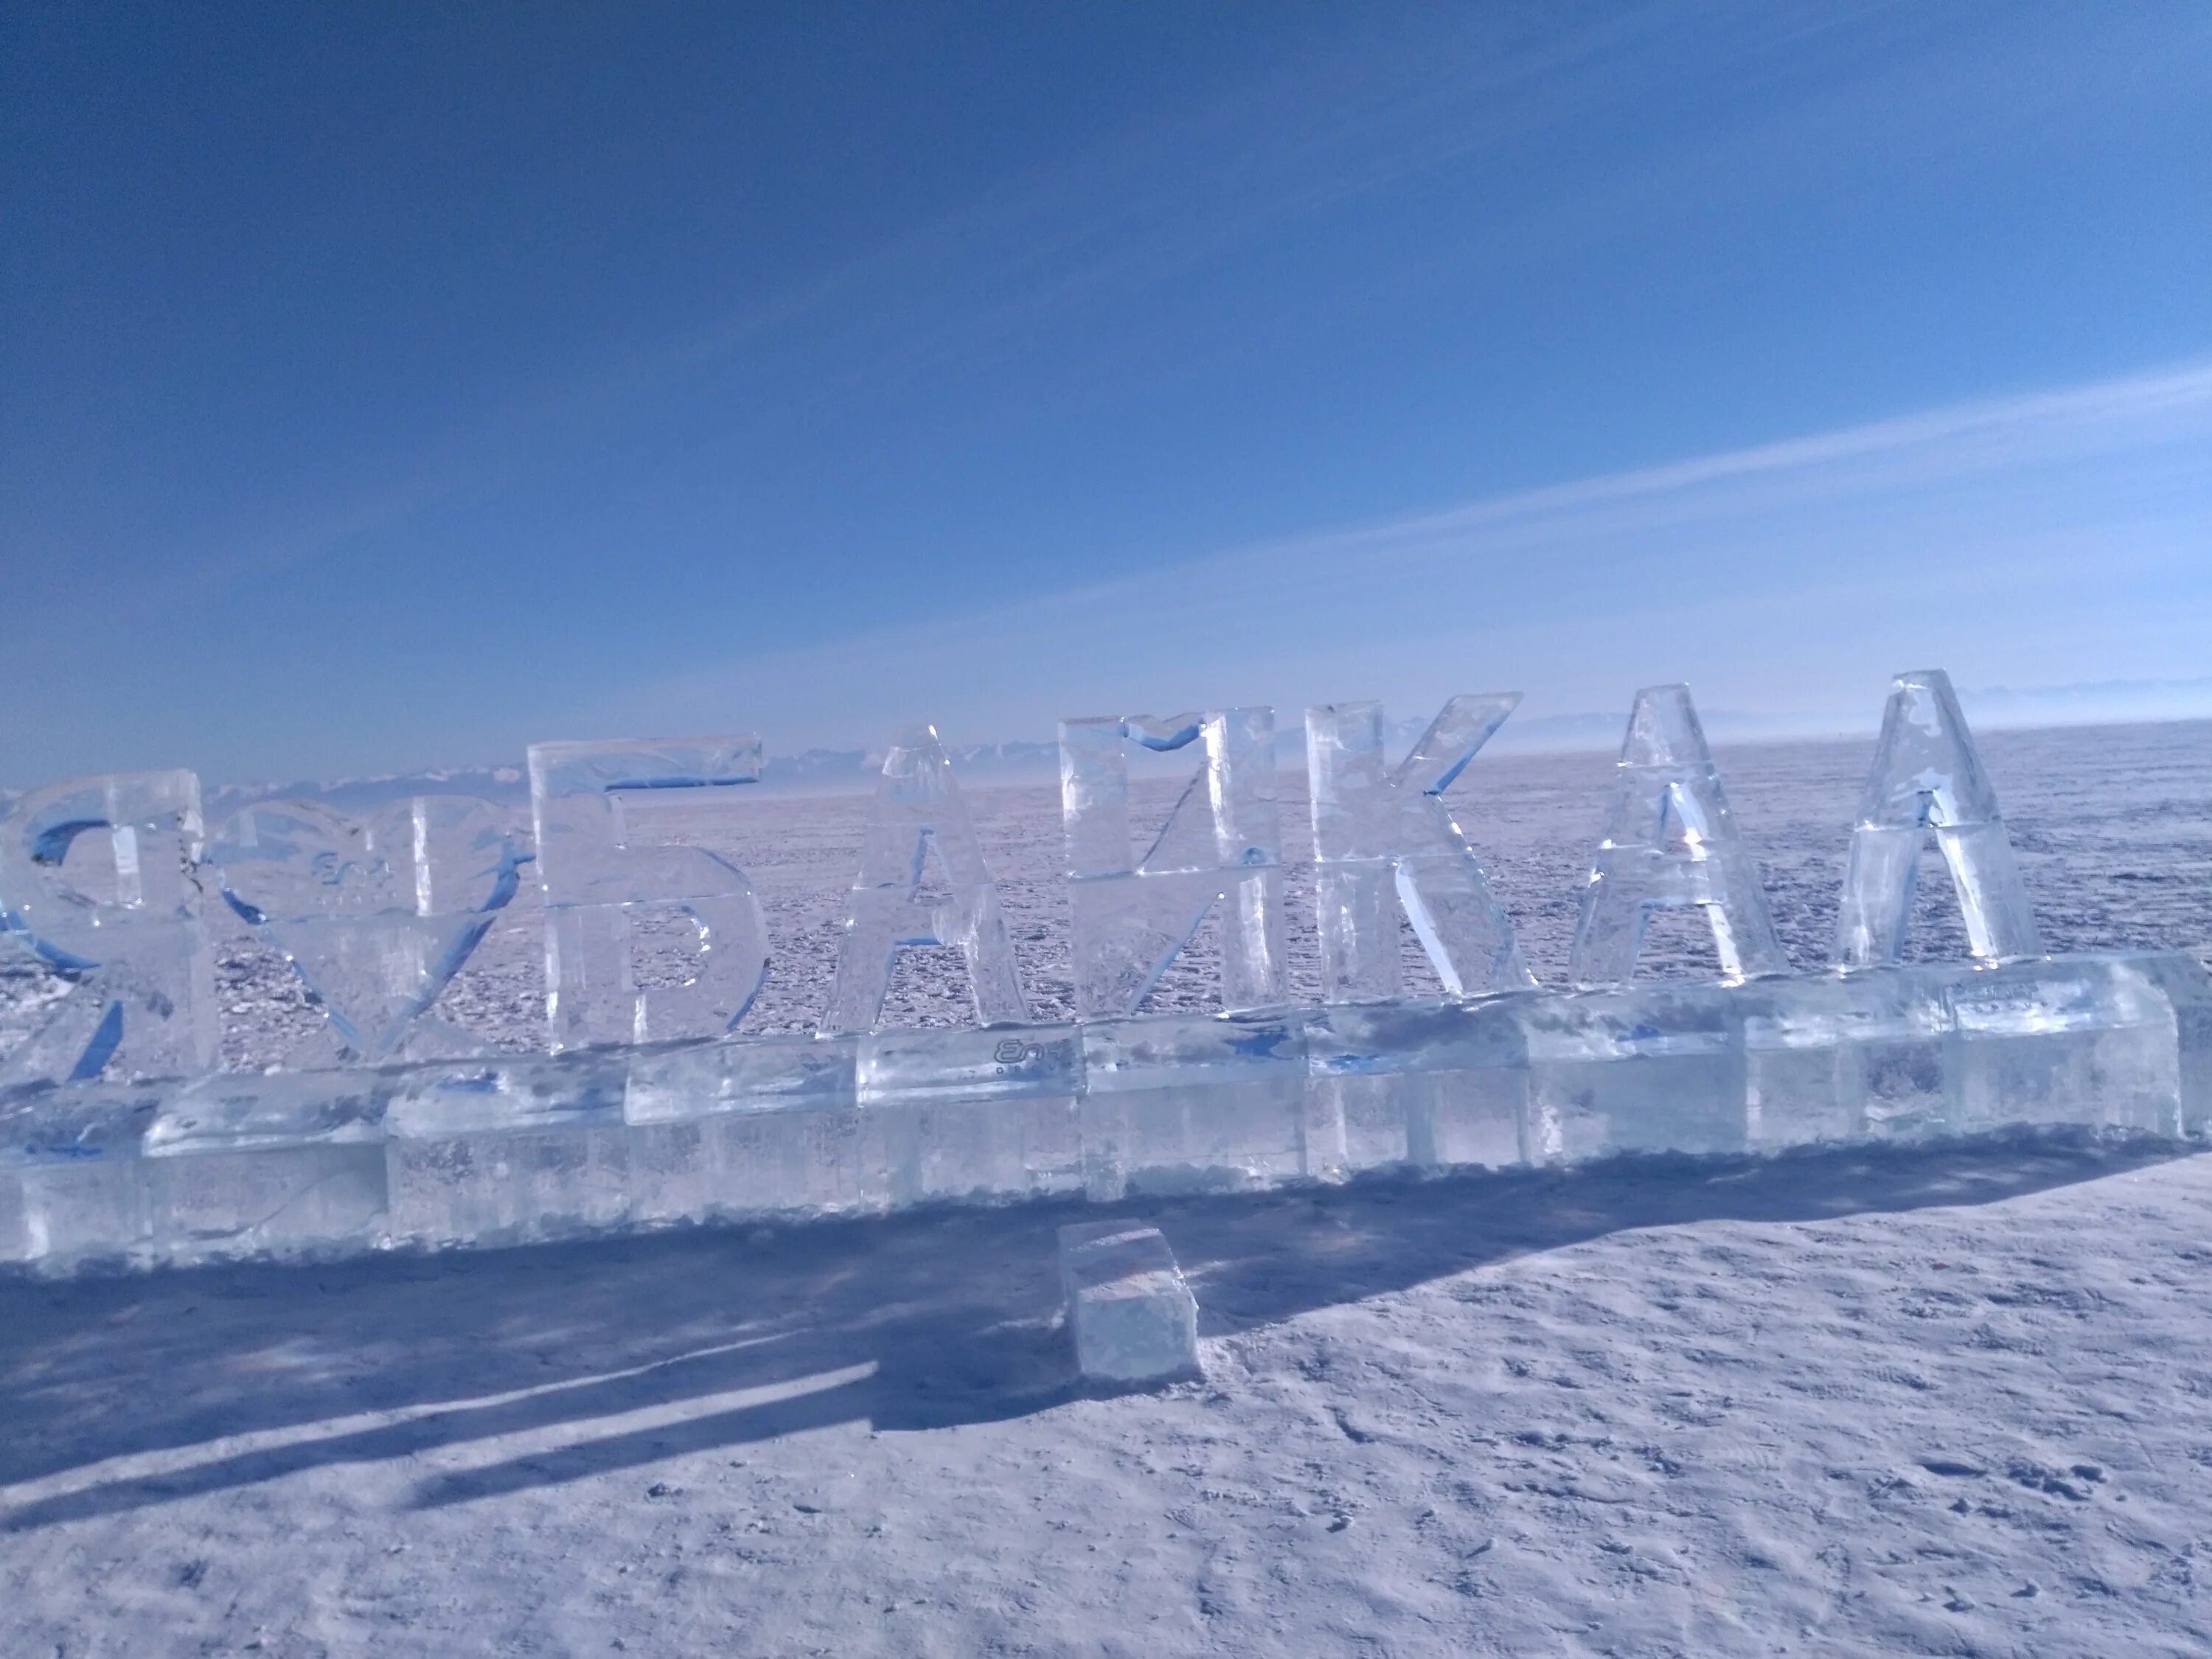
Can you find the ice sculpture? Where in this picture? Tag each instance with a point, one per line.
(1383, 838)
(108, 1155)
(1926, 774)
(1129, 1307)
(610, 862)
(376, 916)
(918, 806)
(1671, 841)
(98, 879)
(520, 1146)
(1221, 846)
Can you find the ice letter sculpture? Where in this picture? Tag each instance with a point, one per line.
(100, 879)
(376, 917)
(1926, 774)
(918, 806)
(1377, 830)
(608, 862)
(1222, 845)
(1672, 841)
(121, 1144)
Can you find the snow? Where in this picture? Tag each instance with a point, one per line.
(1926, 1402)
(1949, 1400)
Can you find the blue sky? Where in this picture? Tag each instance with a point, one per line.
(386, 386)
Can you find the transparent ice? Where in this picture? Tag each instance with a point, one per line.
(765, 1127)
(1220, 846)
(1180, 1102)
(257, 1164)
(100, 880)
(610, 863)
(502, 1148)
(120, 1144)
(2083, 1040)
(1132, 1314)
(976, 1114)
(72, 1171)
(1830, 1057)
(1383, 839)
(1927, 776)
(1671, 841)
(1429, 1085)
(918, 806)
(1644, 1068)
(377, 914)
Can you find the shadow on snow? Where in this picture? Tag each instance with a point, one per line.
(905, 1324)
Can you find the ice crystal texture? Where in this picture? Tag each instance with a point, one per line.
(500, 1149)
(1128, 1308)
(1220, 852)
(1927, 776)
(917, 807)
(609, 866)
(376, 914)
(99, 881)
(1384, 841)
(119, 1143)
(1671, 841)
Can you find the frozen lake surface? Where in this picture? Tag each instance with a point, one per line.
(1897, 1401)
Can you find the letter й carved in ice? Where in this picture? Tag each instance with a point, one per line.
(1221, 846)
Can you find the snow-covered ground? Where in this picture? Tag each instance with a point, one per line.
(1904, 1400)
(1930, 1402)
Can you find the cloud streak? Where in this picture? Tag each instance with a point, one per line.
(2049, 536)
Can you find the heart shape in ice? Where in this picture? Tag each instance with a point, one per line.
(377, 914)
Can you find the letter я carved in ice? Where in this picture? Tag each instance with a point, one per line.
(99, 881)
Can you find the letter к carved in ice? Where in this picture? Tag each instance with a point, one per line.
(1377, 830)
(100, 879)
(918, 806)
(1222, 845)
(1926, 774)
(1671, 841)
(376, 914)
(608, 861)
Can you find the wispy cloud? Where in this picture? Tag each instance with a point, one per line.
(2052, 536)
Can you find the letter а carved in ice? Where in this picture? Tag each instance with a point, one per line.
(100, 880)
(1222, 845)
(1927, 776)
(1385, 839)
(1672, 841)
(608, 862)
(918, 806)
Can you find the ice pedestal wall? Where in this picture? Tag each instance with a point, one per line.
(1433, 1086)
(976, 1114)
(1182, 1102)
(317, 1164)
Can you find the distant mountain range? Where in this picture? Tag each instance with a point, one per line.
(840, 771)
